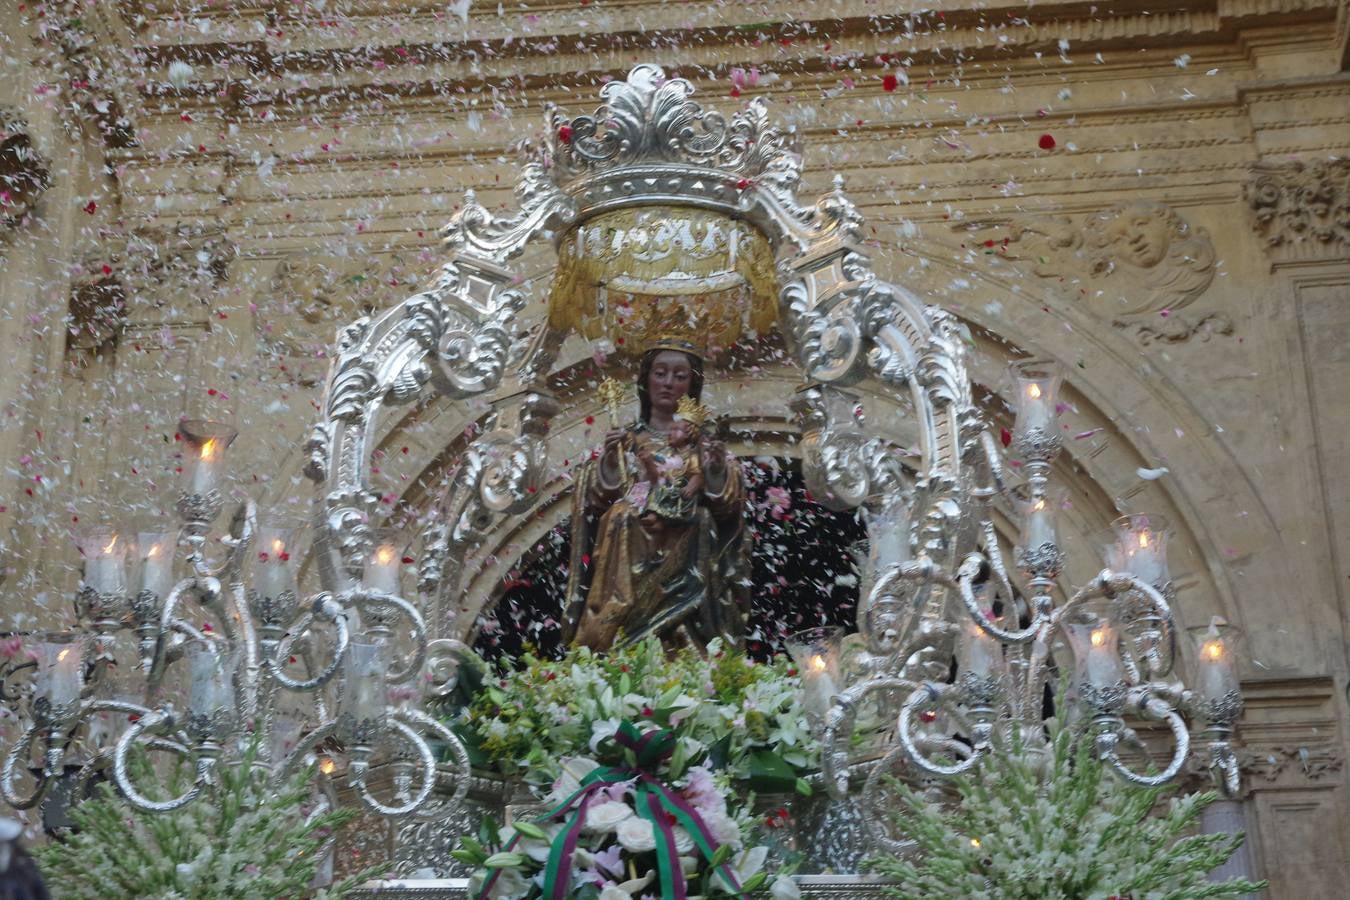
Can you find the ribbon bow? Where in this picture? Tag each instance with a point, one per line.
(643, 754)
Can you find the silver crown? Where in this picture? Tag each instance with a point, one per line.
(649, 143)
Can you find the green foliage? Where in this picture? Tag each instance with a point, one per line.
(1057, 824)
(246, 841)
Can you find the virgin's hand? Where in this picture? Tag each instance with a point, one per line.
(614, 441)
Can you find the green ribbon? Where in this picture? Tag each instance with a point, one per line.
(644, 754)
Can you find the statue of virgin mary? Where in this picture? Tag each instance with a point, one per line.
(685, 581)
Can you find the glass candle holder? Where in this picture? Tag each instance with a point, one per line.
(211, 700)
(363, 694)
(1094, 638)
(1216, 680)
(979, 653)
(384, 565)
(277, 556)
(1139, 547)
(204, 455)
(155, 544)
(816, 654)
(60, 672)
(1038, 552)
(105, 559)
(1037, 383)
(887, 534)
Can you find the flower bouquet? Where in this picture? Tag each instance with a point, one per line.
(650, 762)
(621, 830)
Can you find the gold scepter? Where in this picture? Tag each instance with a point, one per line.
(611, 393)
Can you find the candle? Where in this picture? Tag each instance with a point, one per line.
(816, 653)
(104, 561)
(1096, 645)
(1039, 525)
(156, 549)
(61, 676)
(1140, 548)
(1216, 660)
(383, 568)
(1037, 383)
(979, 652)
(206, 443)
(274, 574)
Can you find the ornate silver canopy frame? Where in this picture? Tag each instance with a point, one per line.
(936, 560)
(650, 145)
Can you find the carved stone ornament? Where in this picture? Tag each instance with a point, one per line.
(311, 295)
(1302, 209)
(1131, 259)
(24, 175)
(1309, 763)
(98, 304)
(179, 267)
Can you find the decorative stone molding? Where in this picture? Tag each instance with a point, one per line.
(1302, 210)
(1283, 763)
(98, 305)
(1131, 259)
(24, 175)
(172, 266)
(1176, 329)
(313, 294)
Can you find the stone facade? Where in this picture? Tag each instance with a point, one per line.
(195, 198)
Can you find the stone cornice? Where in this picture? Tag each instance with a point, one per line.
(413, 67)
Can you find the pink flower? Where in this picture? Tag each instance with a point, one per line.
(778, 501)
(11, 647)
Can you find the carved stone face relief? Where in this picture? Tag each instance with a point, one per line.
(1134, 259)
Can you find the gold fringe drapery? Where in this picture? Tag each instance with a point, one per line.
(639, 276)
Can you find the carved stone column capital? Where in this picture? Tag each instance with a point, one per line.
(1301, 209)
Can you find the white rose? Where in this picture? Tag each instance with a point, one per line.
(607, 816)
(510, 885)
(574, 768)
(785, 888)
(722, 827)
(683, 841)
(610, 892)
(637, 835)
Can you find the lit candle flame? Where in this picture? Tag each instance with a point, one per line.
(111, 544)
(1099, 637)
(818, 663)
(1039, 505)
(975, 842)
(1212, 650)
(61, 657)
(384, 555)
(327, 766)
(209, 449)
(278, 547)
(1034, 391)
(1143, 539)
(152, 552)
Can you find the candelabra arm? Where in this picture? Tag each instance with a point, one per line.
(876, 811)
(323, 606)
(18, 753)
(305, 746)
(243, 525)
(428, 760)
(1226, 770)
(206, 763)
(838, 727)
(964, 578)
(1106, 748)
(416, 625)
(457, 749)
(932, 694)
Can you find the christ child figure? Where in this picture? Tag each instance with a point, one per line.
(676, 477)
